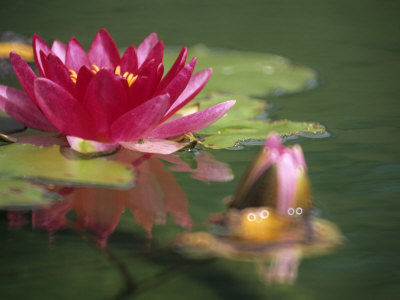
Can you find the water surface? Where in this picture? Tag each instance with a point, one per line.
(355, 47)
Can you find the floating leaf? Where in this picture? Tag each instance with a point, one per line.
(244, 109)
(257, 130)
(250, 73)
(239, 125)
(49, 165)
(21, 194)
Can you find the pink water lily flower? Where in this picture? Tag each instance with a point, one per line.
(99, 99)
(277, 178)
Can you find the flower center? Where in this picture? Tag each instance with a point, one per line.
(129, 77)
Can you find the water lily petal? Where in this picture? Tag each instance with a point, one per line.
(129, 61)
(59, 49)
(85, 75)
(298, 156)
(43, 59)
(159, 72)
(159, 146)
(39, 45)
(287, 182)
(56, 71)
(145, 47)
(105, 98)
(21, 108)
(87, 146)
(103, 52)
(24, 73)
(76, 56)
(192, 122)
(180, 81)
(274, 142)
(136, 123)
(157, 54)
(176, 67)
(63, 110)
(145, 86)
(195, 85)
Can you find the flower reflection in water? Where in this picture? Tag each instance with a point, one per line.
(269, 220)
(99, 210)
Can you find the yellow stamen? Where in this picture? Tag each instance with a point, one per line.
(130, 77)
(73, 75)
(131, 80)
(95, 68)
(118, 70)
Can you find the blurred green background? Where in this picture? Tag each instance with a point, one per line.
(355, 47)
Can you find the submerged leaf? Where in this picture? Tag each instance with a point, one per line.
(47, 164)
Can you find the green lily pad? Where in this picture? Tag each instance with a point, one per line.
(243, 75)
(47, 164)
(21, 194)
(244, 109)
(239, 125)
(228, 137)
(249, 73)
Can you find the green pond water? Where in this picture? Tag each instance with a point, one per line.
(354, 46)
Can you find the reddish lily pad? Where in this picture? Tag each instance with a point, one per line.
(47, 164)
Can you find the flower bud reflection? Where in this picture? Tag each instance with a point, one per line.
(268, 218)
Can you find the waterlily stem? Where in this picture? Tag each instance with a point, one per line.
(130, 285)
